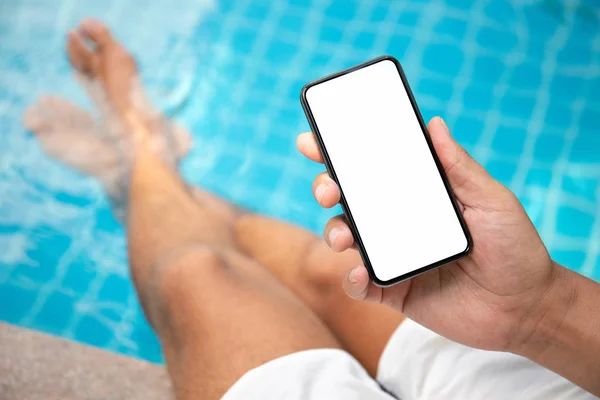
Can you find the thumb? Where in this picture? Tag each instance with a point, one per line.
(470, 182)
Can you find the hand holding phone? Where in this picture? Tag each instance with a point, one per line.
(484, 299)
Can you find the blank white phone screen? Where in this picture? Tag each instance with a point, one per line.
(385, 168)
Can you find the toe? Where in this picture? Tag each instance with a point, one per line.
(95, 31)
(80, 55)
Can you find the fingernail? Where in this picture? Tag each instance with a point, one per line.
(443, 123)
(352, 275)
(333, 234)
(320, 192)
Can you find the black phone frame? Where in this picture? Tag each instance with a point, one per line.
(343, 202)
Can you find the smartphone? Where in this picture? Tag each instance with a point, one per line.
(395, 194)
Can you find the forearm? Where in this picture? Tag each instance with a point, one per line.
(566, 338)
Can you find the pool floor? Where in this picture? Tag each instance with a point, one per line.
(517, 82)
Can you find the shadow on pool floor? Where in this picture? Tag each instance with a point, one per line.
(36, 366)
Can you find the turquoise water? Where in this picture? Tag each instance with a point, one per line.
(518, 82)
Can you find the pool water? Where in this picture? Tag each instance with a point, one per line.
(518, 82)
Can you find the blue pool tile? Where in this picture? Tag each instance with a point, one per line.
(56, 313)
(526, 76)
(282, 140)
(111, 314)
(585, 147)
(509, 141)
(106, 222)
(267, 174)
(235, 71)
(301, 192)
(379, 12)
(575, 52)
(573, 222)
(589, 189)
(341, 9)
(489, 69)
(257, 11)
(228, 165)
(534, 207)
(467, 130)
(398, 45)
(440, 89)
(500, 11)
(280, 52)
(589, 121)
(496, 40)
(77, 200)
(429, 112)
(265, 79)
(408, 18)
(243, 40)
(567, 88)
(79, 275)
(253, 107)
(558, 115)
(570, 259)
(451, 27)
(548, 148)
(536, 17)
(596, 273)
(539, 177)
(464, 5)
(292, 22)
(330, 33)
(284, 118)
(300, 3)
(43, 272)
(116, 289)
(501, 170)
(92, 331)
(447, 60)
(48, 249)
(318, 61)
(16, 302)
(517, 105)
(478, 98)
(148, 346)
(365, 40)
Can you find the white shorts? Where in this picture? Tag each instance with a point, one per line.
(416, 364)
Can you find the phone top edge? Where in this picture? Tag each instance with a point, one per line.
(347, 71)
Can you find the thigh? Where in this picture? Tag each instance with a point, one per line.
(221, 315)
(306, 265)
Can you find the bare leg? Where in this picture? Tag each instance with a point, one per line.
(295, 256)
(217, 312)
(306, 265)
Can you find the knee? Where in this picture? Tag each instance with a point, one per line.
(186, 277)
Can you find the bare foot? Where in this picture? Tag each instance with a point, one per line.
(96, 55)
(103, 148)
(68, 134)
(109, 74)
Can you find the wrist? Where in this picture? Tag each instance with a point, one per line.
(565, 337)
(542, 327)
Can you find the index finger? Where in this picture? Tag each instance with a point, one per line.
(307, 144)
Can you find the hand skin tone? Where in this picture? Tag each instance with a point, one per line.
(506, 295)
